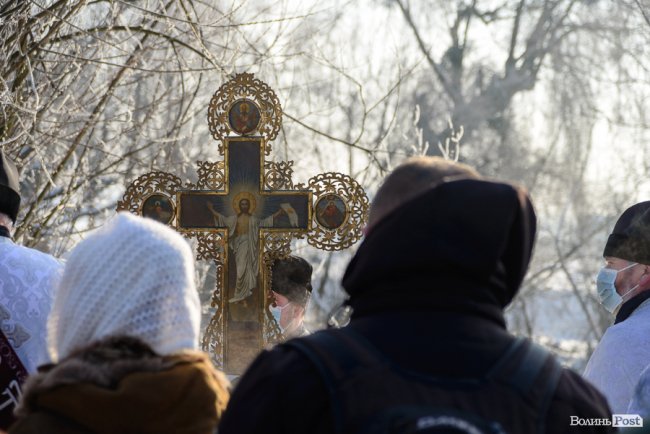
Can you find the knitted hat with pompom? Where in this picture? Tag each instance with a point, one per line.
(132, 277)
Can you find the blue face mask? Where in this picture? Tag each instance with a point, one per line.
(606, 287)
(277, 313)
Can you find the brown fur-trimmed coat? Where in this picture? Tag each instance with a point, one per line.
(119, 385)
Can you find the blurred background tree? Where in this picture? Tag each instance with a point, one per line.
(551, 94)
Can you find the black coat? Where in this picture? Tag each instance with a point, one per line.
(428, 287)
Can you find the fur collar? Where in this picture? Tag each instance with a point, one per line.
(103, 364)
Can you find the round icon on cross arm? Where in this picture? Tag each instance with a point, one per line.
(330, 211)
(158, 207)
(244, 116)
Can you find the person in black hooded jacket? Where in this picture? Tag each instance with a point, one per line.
(445, 252)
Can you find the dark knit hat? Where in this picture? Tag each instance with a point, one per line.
(630, 238)
(9, 188)
(291, 277)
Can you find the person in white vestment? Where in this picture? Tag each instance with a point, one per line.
(27, 278)
(623, 288)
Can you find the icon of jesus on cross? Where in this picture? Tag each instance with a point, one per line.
(243, 228)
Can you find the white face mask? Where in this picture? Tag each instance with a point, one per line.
(606, 287)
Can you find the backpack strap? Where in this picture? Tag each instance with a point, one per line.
(336, 354)
(527, 370)
(307, 350)
(549, 390)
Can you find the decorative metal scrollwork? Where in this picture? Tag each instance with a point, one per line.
(151, 185)
(277, 245)
(217, 295)
(340, 211)
(270, 328)
(210, 246)
(213, 338)
(247, 91)
(277, 175)
(212, 175)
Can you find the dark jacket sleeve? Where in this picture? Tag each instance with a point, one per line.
(280, 393)
(577, 398)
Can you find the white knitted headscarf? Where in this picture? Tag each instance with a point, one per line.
(132, 277)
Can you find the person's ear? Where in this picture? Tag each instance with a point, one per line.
(645, 278)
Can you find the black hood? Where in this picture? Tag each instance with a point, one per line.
(463, 246)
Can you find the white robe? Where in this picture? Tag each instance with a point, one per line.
(27, 281)
(246, 250)
(640, 403)
(620, 357)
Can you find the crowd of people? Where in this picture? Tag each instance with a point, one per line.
(108, 341)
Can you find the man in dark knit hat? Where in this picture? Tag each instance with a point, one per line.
(290, 289)
(623, 289)
(426, 349)
(27, 277)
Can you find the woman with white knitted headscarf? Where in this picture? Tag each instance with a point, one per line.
(123, 334)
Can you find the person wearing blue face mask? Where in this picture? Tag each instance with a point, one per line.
(623, 288)
(290, 291)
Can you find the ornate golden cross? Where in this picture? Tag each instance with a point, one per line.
(244, 211)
